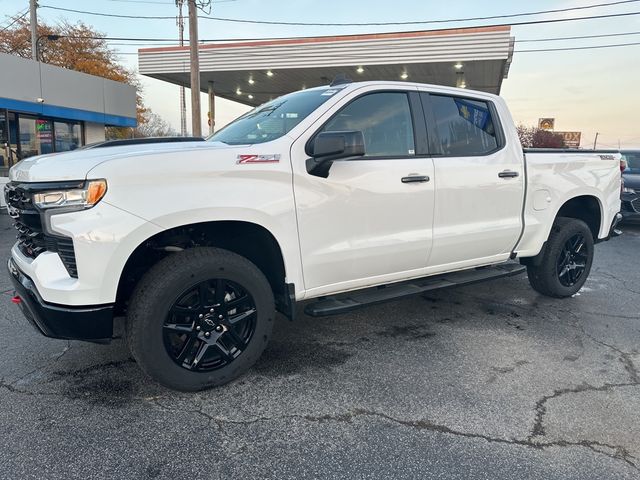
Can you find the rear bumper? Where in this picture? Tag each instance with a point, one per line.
(93, 323)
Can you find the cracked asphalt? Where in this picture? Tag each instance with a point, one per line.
(490, 381)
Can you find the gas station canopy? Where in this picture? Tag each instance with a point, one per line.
(254, 72)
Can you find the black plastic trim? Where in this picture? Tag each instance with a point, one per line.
(91, 323)
(346, 302)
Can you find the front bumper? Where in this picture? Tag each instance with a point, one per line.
(92, 323)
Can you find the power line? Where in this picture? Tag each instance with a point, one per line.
(120, 41)
(150, 2)
(576, 38)
(590, 47)
(16, 19)
(268, 22)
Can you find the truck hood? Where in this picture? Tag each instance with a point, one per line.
(76, 164)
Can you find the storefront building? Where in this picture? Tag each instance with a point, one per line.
(47, 109)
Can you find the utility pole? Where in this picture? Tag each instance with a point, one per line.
(595, 141)
(183, 100)
(33, 6)
(196, 120)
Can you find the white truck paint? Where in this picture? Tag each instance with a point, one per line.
(359, 227)
(321, 193)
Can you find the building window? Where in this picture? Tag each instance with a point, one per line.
(36, 136)
(68, 136)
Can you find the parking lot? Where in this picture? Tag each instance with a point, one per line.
(488, 381)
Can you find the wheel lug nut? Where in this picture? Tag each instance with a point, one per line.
(198, 328)
(200, 316)
(219, 328)
(220, 317)
(211, 311)
(207, 334)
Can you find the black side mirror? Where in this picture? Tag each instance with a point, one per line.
(327, 147)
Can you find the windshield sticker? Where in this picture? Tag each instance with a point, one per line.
(244, 159)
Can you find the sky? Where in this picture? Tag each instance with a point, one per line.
(584, 90)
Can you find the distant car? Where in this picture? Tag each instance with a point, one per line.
(631, 189)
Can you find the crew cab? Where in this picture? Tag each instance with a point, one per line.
(343, 195)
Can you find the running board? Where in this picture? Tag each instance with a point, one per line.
(346, 302)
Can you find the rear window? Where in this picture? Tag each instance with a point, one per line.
(464, 127)
(274, 119)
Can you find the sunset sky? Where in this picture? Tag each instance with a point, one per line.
(594, 90)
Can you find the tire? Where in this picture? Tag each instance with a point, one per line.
(552, 274)
(180, 331)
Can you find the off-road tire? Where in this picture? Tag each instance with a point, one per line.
(543, 273)
(154, 295)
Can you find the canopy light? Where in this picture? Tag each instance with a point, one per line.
(404, 75)
(457, 66)
(251, 81)
(250, 97)
(238, 92)
(360, 70)
(269, 73)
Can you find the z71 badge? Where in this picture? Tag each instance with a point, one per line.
(243, 159)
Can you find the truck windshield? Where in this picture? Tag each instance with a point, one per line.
(273, 119)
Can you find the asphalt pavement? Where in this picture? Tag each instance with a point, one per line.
(490, 381)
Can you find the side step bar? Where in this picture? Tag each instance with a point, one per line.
(359, 298)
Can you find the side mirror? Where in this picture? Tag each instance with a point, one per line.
(327, 147)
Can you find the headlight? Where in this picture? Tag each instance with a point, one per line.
(80, 198)
(628, 190)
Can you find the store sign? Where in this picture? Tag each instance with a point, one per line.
(571, 139)
(43, 130)
(546, 123)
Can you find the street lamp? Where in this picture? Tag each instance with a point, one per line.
(40, 38)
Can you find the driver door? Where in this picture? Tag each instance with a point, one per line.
(370, 221)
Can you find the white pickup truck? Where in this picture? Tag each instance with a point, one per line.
(348, 194)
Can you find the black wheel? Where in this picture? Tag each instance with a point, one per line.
(566, 260)
(200, 318)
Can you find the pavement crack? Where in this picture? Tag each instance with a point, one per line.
(538, 429)
(617, 279)
(615, 452)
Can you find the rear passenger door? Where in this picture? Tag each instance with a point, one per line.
(479, 182)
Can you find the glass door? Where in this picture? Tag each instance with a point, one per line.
(36, 136)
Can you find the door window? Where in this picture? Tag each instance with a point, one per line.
(384, 119)
(463, 127)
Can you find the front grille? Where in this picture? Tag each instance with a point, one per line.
(32, 240)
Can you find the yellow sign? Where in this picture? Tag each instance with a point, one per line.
(546, 123)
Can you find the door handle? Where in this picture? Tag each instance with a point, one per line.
(508, 174)
(415, 179)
